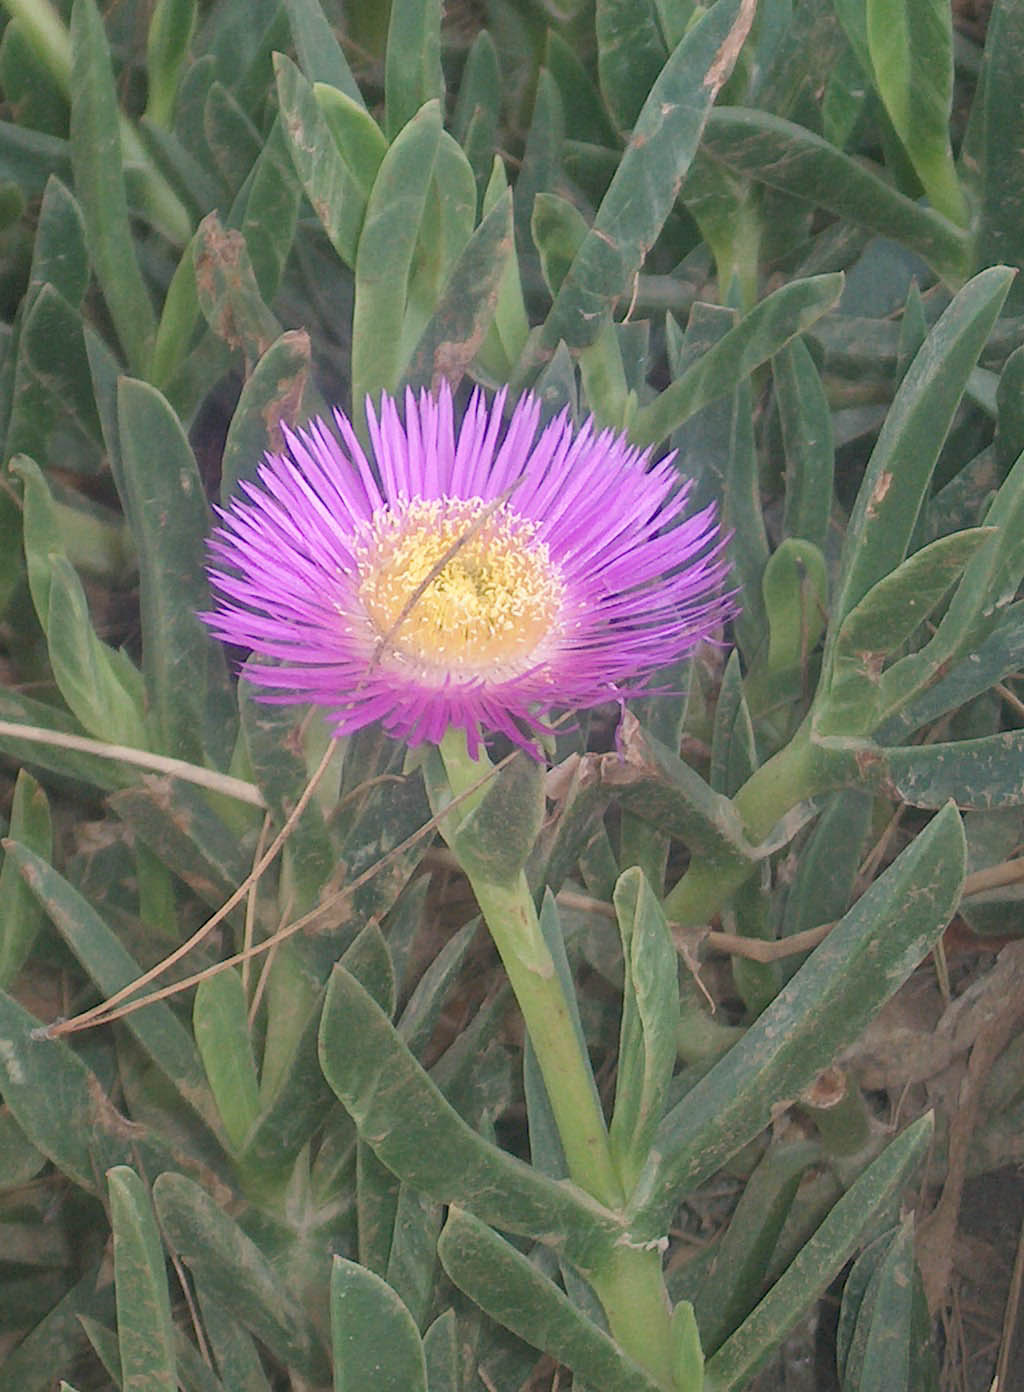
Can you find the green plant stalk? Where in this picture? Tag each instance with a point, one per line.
(938, 174)
(48, 35)
(630, 1285)
(845, 1127)
(800, 770)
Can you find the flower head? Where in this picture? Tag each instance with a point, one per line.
(475, 576)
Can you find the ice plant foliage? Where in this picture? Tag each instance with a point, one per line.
(474, 576)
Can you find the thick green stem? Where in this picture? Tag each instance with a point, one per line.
(631, 1289)
(796, 772)
(629, 1285)
(508, 910)
(512, 920)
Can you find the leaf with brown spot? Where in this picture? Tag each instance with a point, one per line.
(228, 294)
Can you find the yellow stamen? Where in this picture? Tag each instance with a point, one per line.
(488, 611)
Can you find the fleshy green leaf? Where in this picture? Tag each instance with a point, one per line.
(795, 161)
(420, 1137)
(901, 464)
(337, 191)
(650, 1012)
(412, 67)
(911, 48)
(221, 1025)
(237, 1274)
(839, 988)
(228, 294)
(99, 185)
(57, 1101)
(21, 916)
(992, 168)
(321, 56)
(145, 1331)
(806, 423)
(167, 43)
(466, 309)
(375, 1340)
(643, 189)
(385, 254)
(737, 1277)
(809, 1274)
(276, 393)
(157, 1029)
(754, 339)
(630, 55)
(186, 676)
(879, 623)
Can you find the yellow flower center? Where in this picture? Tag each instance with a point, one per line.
(486, 611)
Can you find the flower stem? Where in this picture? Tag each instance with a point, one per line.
(629, 1284)
(512, 921)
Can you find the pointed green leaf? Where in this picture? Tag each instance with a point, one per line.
(233, 1347)
(412, 64)
(421, 1138)
(911, 48)
(228, 294)
(59, 254)
(806, 422)
(176, 821)
(995, 133)
(757, 337)
(336, 191)
(737, 1278)
(788, 157)
(57, 1101)
(835, 993)
(901, 464)
(477, 109)
(360, 141)
(52, 410)
(794, 588)
(101, 685)
(879, 623)
(385, 255)
(145, 1331)
(441, 1354)
(157, 1029)
(645, 184)
(186, 676)
(990, 583)
(376, 1343)
(884, 1346)
(466, 309)
(650, 1015)
(412, 1260)
(21, 916)
(99, 185)
(277, 393)
(237, 1274)
(167, 43)
(220, 1021)
(321, 56)
(870, 1197)
(630, 55)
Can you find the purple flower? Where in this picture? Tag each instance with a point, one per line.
(476, 576)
